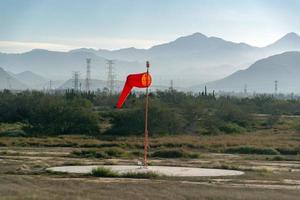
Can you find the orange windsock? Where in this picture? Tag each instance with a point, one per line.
(141, 80)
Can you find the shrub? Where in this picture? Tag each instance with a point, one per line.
(277, 158)
(252, 150)
(289, 151)
(89, 154)
(104, 153)
(174, 154)
(104, 172)
(162, 120)
(231, 128)
(16, 133)
(149, 174)
(107, 172)
(114, 152)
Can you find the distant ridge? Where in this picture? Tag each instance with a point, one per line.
(31, 79)
(260, 77)
(8, 81)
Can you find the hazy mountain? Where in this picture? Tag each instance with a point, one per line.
(60, 65)
(32, 80)
(198, 58)
(260, 76)
(188, 60)
(9, 82)
(95, 84)
(290, 42)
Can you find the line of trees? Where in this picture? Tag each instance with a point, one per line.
(170, 112)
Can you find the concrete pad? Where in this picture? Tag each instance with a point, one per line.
(163, 170)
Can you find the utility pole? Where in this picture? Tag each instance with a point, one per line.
(276, 86)
(88, 74)
(110, 76)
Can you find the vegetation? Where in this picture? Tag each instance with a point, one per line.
(103, 153)
(107, 172)
(169, 153)
(170, 112)
(252, 150)
(104, 172)
(146, 175)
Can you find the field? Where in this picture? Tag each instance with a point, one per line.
(270, 159)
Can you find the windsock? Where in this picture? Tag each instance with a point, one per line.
(142, 80)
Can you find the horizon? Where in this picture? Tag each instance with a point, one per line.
(119, 24)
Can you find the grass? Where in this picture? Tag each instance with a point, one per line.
(39, 187)
(281, 139)
(252, 150)
(174, 153)
(12, 130)
(100, 153)
(107, 172)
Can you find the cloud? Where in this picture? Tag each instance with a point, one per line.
(66, 44)
(18, 47)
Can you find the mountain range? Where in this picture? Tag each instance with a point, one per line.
(261, 76)
(8, 81)
(188, 60)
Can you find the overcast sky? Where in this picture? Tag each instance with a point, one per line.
(113, 24)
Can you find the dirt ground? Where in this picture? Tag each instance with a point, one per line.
(23, 175)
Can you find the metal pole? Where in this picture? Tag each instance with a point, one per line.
(146, 120)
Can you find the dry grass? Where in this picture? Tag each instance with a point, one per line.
(40, 187)
(261, 138)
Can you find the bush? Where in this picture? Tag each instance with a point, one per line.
(174, 154)
(107, 172)
(62, 117)
(289, 151)
(104, 153)
(231, 128)
(149, 174)
(252, 150)
(104, 172)
(229, 112)
(114, 152)
(16, 133)
(89, 154)
(162, 120)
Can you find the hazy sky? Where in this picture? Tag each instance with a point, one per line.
(113, 24)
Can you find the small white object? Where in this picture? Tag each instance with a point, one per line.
(140, 164)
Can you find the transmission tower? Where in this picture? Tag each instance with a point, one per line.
(276, 86)
(110, 76)
(171, 85)
(88, 74)
(50, 85)
(76, 81)
(245, 89)
(8, 83)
